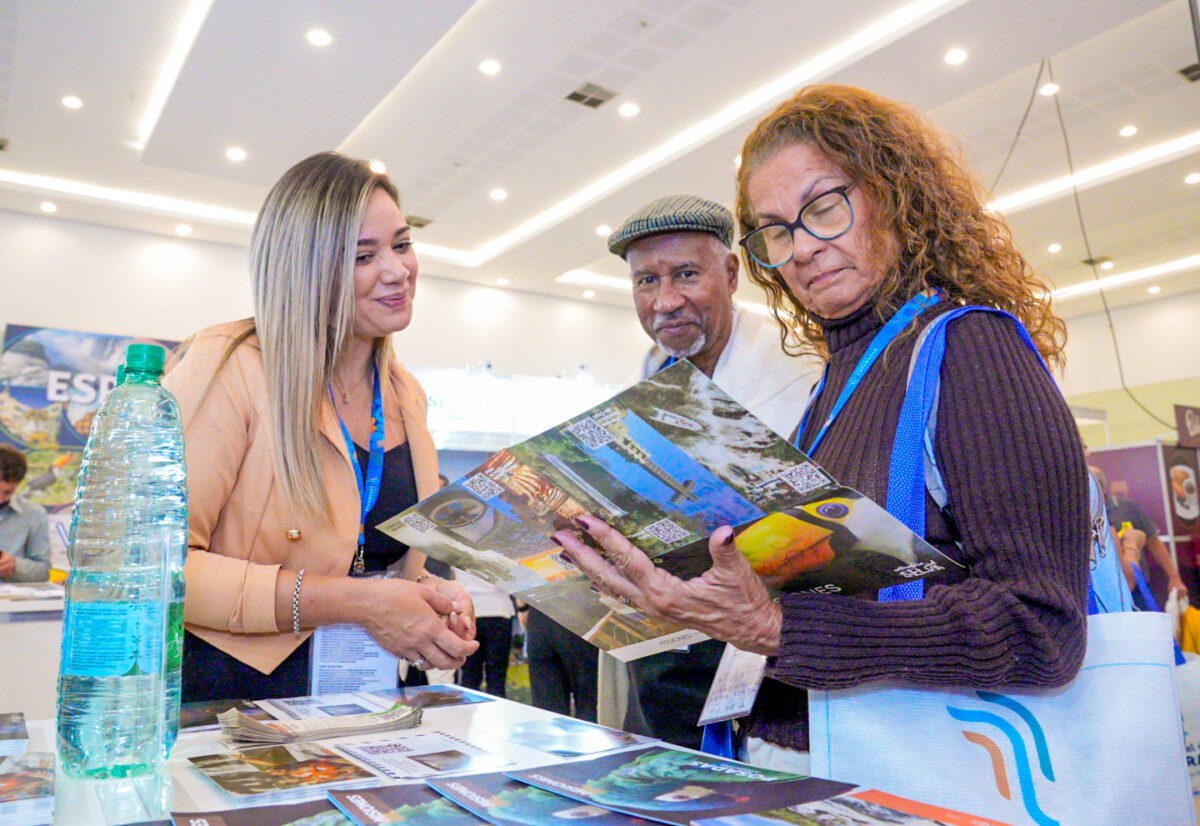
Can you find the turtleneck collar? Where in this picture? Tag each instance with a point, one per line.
(840, 333)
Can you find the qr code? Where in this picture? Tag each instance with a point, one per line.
(667, 531)
(418, 523)
(591, 434)
(483, 487)
(804, 477)
(383, 748)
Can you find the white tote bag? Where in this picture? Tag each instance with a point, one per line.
(1105, 749)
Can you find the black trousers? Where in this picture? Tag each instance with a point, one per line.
(671, 688)
(562, 668)
(491, 659)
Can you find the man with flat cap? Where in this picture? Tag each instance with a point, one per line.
(684, 277)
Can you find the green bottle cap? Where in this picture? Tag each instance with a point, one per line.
(145, 358)
(120, 374)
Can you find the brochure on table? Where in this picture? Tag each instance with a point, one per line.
(499, 799)
(666, 462)
(401, 804)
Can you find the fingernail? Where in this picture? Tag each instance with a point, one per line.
(567, 556)
(581, 523)
(729, 538)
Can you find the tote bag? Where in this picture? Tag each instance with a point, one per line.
(1105, 749)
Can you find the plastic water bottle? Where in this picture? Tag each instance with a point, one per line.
(119, 680)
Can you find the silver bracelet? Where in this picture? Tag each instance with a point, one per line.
(296, 602)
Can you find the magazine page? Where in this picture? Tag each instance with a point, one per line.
(430, 696)
(677, 787)
(863, 808)
(272, 770)
(666, 462)
(499, 799)
(416, 804)
(422, 755)
(309, 813)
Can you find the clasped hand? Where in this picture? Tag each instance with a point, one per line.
(727, 602)
(432, 622)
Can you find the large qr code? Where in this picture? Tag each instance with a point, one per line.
(804, 478)
(667, 531)
(417, 522)
(483, 487)
(591, 434)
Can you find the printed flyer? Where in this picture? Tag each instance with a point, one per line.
(401, 804)
(677, 787)
(666, 462)
(499, 799)
(309, 813)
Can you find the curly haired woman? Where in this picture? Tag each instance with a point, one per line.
(855, 210)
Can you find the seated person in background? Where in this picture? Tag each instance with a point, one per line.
(1136, 533)
(852, 208)
(24, 529)
(288, 418)
(684, 277)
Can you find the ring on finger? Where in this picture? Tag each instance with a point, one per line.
(419, 663)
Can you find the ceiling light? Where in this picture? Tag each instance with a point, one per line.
(1106, 264)
(497, 194)
(585, 278)
(1101, 172)
(955, 56)
(629, 109)
(503, 282)
(235, 154)
(1155, 290)
(319, 37)
(183, 229)
(489, 66)
(604, 230)
(1048, 89)
(1054, 248)
(589, 293)
(1128, 131)
(72, 102)
(378, 167)
(1193, 178)
(1191, 262)
(49, 206)
(185, 37)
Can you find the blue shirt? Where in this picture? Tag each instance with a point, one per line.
(25, 533)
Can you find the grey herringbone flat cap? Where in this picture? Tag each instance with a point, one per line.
(674, 213)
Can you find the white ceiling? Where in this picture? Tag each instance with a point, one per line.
(400, 83)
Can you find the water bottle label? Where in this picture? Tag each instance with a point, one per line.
(113, 639)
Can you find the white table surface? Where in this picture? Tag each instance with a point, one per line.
(184, 789)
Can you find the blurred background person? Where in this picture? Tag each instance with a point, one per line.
(24, 528)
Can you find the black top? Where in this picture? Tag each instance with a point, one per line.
(397, 491)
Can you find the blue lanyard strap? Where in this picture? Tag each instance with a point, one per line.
(368, 489)
(883, 338)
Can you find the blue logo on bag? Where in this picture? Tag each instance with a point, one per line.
(1020, 749)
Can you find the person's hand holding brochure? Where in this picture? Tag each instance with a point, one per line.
(238, 728)
(665, 463)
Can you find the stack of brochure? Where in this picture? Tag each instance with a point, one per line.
(14, 737)
(238, 727)
(27, 789)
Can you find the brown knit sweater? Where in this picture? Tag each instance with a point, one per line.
(1013, 463)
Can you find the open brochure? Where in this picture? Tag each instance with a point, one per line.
(421, 754)
(279, 772)
(666, 462)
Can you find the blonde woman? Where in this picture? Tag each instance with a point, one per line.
(303, 433)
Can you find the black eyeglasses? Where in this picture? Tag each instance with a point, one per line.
(827, 216)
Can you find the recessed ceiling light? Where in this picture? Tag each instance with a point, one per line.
(319, 37)
(1053, 248)
(1155, 290)
(489, 66)
(1048, 89)
(629, 109)
(183, 229)
(49, 206)
(235, 154)
(604, 229)
(589, 293)
(72, 102)
(1193, 178)
(1128, 131)
(497, 194)
(955, 56)
(503, 282)
(378, 167)
(1107, 265)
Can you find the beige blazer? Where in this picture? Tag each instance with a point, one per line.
(243, 528)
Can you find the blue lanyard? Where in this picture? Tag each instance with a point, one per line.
(368, 490)
(883, 338)
(670, 360)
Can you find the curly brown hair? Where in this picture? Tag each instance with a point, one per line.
(927, 213)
